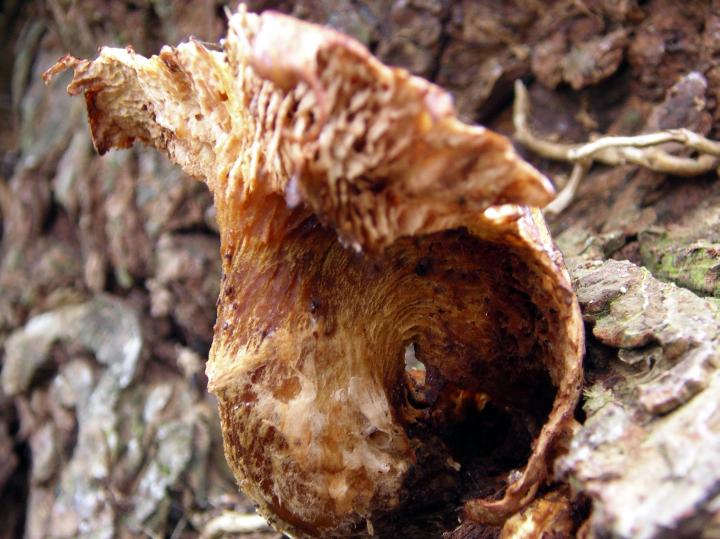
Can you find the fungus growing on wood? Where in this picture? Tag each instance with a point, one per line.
(395, 331)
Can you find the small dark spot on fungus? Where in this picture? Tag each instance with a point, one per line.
(379, 186)
(359, 144)
(423, 267)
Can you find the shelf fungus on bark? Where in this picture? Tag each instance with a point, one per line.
(361, 224)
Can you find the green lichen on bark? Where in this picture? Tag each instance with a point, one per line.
(692, 261)
(651, 439)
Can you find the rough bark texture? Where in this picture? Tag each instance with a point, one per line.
(125, 248)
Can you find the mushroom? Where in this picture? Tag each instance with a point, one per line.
(361, 224)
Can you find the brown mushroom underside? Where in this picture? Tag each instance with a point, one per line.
(360, 220)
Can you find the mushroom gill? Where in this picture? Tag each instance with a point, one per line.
(360, 222)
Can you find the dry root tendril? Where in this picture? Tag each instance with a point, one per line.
(614, 151)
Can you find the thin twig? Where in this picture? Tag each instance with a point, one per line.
(566, 195)
(683, 136)
(231, 522)
(545, 148)
(639, 150)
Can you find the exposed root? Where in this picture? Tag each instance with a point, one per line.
(566, 195)
(639, 150)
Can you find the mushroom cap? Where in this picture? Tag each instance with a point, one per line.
(360, 221)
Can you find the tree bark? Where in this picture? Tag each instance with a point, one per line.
(119, 255)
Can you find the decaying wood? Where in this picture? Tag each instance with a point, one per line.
(301, 146)
(131, 236)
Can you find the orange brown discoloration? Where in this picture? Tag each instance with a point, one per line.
(309, 150)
